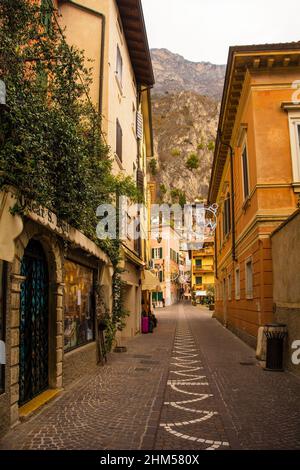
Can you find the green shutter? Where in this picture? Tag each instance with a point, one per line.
(160, 253)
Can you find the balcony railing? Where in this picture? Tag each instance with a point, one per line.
(204, 269)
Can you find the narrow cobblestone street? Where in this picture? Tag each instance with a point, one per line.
(191, 385)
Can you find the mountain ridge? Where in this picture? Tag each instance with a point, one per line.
(186, 105)
(174, 73)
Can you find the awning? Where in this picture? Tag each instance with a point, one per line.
(150, 282)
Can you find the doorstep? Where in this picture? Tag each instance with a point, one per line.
(29, 408)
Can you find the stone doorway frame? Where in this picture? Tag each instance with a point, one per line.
(54, 256)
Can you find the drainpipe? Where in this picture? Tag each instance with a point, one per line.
(232, 195)
(102, 50)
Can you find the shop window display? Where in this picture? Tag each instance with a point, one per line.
(79, 319)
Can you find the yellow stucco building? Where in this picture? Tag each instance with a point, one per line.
(113, 36)
(255, 179)
(203, 277)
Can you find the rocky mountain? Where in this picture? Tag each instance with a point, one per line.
(186, 105)
(173, 74)
(184, 128)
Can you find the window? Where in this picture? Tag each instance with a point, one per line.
(199, 263)
(237, 284)
(229, 286)
(2, 324)
(199, 280)
(157, 253)
(249, 279)
(79, 326)
(161, 276)
(119, 67)
(294, 120)
(227, 216)
(119, 140)
(174, 256)
(245, 172)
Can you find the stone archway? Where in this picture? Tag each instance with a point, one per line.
(54, 258)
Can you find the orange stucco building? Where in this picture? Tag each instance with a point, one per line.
(255, 179)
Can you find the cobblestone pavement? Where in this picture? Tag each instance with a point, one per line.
(110, 409)
(184, 387)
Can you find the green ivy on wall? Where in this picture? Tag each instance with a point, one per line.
(52, 149)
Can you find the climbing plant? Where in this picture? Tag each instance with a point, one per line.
(52, 150)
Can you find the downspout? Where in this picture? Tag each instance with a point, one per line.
(216, 256)
(102, 49)
(232, 196)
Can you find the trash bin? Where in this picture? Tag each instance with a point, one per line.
(275, 334)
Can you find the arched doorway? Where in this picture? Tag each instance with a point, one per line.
(34, 323)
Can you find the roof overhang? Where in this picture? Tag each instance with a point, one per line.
(243, 59)
(131, 13)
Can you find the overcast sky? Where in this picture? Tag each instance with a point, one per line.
(203, 30)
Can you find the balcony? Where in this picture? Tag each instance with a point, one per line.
(203, 270)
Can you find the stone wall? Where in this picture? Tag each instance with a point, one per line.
(286, 262)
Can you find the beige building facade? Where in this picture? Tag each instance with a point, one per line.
(113, 36)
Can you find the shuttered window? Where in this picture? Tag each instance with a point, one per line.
(157, 253)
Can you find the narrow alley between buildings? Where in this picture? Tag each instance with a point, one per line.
(191, 385)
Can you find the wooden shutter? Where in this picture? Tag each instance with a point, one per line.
(139, 125)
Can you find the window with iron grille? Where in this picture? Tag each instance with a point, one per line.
(119, 140)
